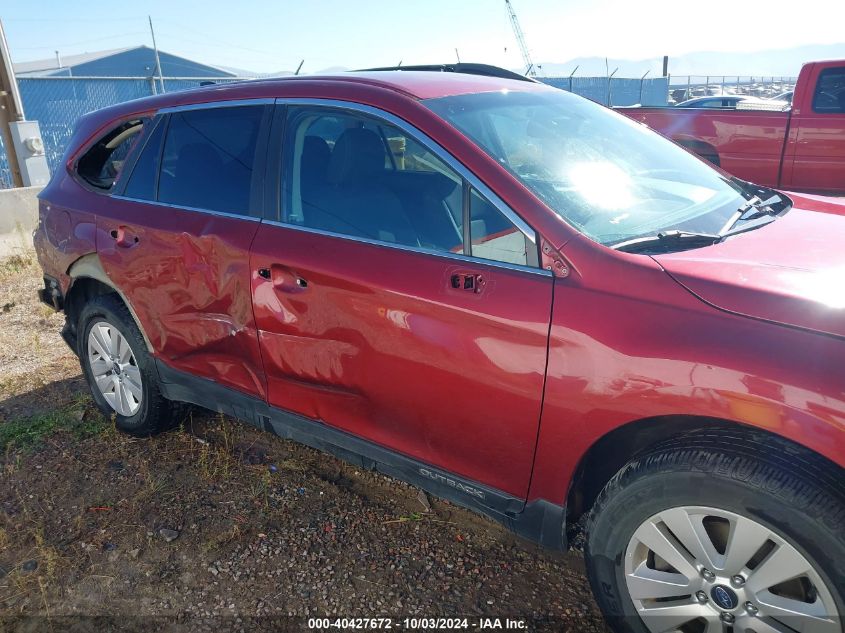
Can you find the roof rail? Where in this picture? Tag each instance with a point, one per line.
(468, 69)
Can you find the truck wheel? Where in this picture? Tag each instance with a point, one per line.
(703, 151)
(712, 158)
(119, 370)
(715, 535)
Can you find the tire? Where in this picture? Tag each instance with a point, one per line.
(136, 403)
(703, 151)
(770, 488)
(712, 158)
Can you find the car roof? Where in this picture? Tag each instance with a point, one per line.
(715, 97)
(708, 97)
(415, 85)
(418, 84)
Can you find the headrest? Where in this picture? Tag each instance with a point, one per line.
(358, 153)
(316, 155)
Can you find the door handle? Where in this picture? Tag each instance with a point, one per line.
(468, 282)
(283, 278)
(123, 239)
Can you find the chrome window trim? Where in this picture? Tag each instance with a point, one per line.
(210, 105)
(429, 144)
(225, 214)
(416, 249)
(125, 174)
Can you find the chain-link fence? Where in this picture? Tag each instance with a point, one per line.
(686, 87)
(615, 91)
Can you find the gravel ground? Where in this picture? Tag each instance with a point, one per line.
(218, 526)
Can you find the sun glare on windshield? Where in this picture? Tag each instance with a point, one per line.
(602, 184)
(608, 177)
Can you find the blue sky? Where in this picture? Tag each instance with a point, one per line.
(273, 36)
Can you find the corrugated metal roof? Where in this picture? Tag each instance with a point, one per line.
(49, 65)
(172, 65)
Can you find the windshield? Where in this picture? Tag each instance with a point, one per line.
(610, 177)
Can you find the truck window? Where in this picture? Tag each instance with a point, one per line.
(829, 97)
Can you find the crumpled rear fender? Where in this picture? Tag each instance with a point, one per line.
(89, 266)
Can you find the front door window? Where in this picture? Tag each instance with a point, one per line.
(361, 177)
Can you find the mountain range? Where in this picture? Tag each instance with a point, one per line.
(784, 62)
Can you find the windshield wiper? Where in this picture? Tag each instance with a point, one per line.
(753, 209)
(671, 240)
(668, 239)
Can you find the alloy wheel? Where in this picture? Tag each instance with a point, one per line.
(114, 368)
(705, 570)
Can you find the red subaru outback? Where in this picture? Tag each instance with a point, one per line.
(497, 291)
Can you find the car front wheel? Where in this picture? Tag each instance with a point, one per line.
(713, 534)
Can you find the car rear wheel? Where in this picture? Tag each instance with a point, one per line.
(114, 368)
(120, 371)
(717, 536)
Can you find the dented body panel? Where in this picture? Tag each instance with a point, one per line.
(380, 345)
(66, 232)
(187, 278)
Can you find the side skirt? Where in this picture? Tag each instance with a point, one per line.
(539, 521)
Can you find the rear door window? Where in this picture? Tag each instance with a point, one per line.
(209, 158)
(829, 96)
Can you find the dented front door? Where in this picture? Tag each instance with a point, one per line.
(436, 358)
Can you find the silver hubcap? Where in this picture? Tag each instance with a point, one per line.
(114, 368)
(702, 569)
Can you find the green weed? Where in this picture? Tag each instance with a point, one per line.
(78, 418)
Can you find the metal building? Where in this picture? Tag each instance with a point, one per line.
(137, 61)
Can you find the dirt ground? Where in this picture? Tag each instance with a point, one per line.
(218, 526)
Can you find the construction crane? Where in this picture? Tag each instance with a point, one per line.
(530, 70)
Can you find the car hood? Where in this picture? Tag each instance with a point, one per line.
(791, 271)
(818, 203)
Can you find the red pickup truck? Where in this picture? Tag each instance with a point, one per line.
(800, 150)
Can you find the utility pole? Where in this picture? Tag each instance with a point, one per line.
(158, 61)
(11, 108)
(21, 138)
